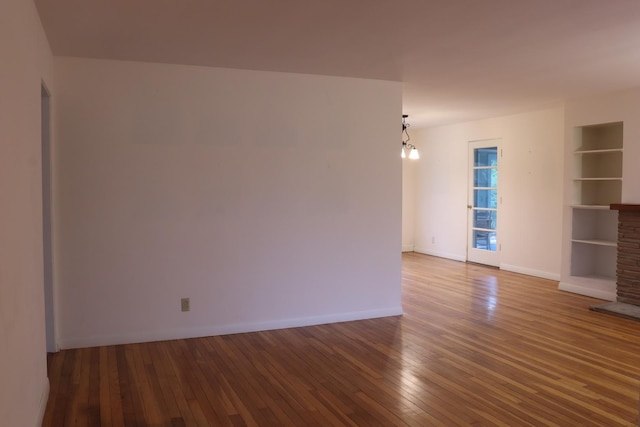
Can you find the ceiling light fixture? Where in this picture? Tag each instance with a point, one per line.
(413, 151)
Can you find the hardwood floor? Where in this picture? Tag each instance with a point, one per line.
(476, 346)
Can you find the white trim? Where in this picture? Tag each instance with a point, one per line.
(439, 254)
(235, 328)
(607, 295)
(407, 248)
(530, 272)
(44, 398)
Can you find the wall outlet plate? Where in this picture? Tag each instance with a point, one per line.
(185, 304)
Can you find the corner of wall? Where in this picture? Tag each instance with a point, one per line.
(440, 254)
(44, 398)
(227, 329)
(530, 272)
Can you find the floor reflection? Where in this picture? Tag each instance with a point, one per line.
(485, 296)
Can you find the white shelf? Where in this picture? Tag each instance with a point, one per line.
(602, 136)
(594, 207)
(596, 191)
(596, 242)
(598, 278)
(595, 227)
(592, 286)
(597, 182)
(608, 150)
(590, 260)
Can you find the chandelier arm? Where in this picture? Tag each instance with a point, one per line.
(406, 145)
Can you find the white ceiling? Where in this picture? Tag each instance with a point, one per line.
(458, 59)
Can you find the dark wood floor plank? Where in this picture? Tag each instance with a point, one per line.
(129, 416)
(54, 372)
(104, 397)
(161, 381)
(191, 374)
(115, 397)
(94, 392)
(80, 414)
(59, 389)
(475, 346)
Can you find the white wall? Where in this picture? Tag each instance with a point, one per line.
(270, 199)
(25, 60)
(530, 180)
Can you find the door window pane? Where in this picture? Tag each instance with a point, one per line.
(486, 156)
(485, 219)
(485, 198)
(485, 178)
(484, 240)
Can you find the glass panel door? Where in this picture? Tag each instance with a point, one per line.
(483, 203)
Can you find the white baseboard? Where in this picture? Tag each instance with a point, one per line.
(506, 267)
(407, 248)
(236, 328)
(455, 257)
(604, 294)
(44, 398)
(530, 272)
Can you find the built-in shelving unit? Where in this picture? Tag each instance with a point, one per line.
(597, 183)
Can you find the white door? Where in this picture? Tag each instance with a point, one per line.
(483, 245)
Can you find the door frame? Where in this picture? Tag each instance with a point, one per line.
(47, 239)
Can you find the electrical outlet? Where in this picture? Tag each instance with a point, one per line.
(433, 240)
(185, 304)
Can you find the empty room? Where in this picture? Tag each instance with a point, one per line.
(271, 213)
